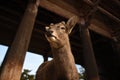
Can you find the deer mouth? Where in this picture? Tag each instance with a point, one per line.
(51, 37)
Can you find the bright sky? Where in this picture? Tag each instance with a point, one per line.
(32, 61)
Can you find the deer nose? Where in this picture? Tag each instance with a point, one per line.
(50, 32)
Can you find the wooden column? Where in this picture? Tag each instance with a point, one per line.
(88, 55)
(13, 62)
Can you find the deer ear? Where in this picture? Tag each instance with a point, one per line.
(71, 23)
(46, 27)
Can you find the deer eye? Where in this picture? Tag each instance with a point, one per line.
(63, 28)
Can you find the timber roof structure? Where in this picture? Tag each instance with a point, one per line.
(104, 29)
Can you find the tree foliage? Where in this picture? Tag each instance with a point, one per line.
(82, 75)
(26, 76)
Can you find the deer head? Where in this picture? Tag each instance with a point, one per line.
(57, 34)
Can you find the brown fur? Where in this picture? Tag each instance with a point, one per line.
(62, 67)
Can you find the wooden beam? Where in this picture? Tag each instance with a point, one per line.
(104, 11)
(100, 28)
(5, 18)
(117, 2)
(109, 14)
(100, 31)
(66, 6)
(15, 14)
(6, 9)
(67, 14)
(56, 9)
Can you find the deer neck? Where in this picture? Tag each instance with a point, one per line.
(63, 57)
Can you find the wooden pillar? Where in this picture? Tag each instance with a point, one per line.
(88, 54)
(13, 62)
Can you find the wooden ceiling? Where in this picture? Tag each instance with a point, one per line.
(104, 24)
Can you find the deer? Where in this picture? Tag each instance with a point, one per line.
(62, 67)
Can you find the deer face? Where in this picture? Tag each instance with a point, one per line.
(57, 34)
